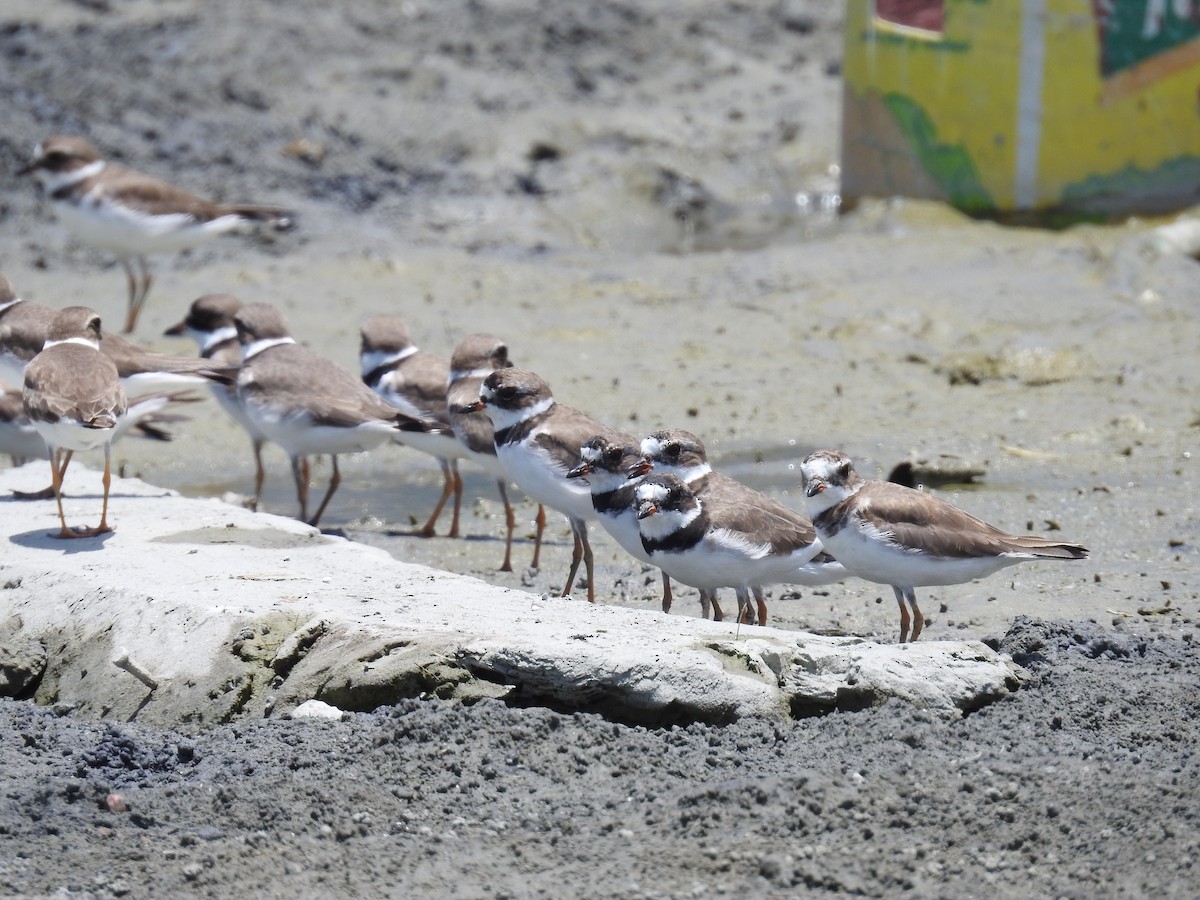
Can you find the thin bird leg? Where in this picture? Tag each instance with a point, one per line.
(103, 527)
(918, 620)
(510, 524)
(761, 603)
(458, 492)
(143, 290)
(300, 475)
(56, 483)
(47, 492)
(334, 481)
(588, 563)
(904, 620)
(131, 311)
(745, 614)
(576, 556)
(667, 598)
(259, 475)
(540, 521)
(429, 529)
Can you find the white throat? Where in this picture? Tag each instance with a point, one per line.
(663, 524)
(209, 339)
(506, 418)
(56, 181)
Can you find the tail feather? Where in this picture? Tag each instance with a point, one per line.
(276, 218)
(1047, 549)
(423, 426)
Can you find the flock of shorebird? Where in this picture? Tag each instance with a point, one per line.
(658, 497)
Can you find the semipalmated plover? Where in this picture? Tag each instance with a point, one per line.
(678, 452)
(25, 326)
(131, 215)
(537, 441)
(604, 462)
(21, 441)
(906, 538)
(475, 357)
(306, 403)
(209, 322)
(714, 540)
(416, 382)
(74, 398)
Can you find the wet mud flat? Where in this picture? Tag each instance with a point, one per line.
(1073, 785)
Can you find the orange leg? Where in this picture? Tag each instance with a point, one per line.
(917, 620)
(56, 473)
(259, 475)
(540, 520)
(300, 474)
(47, 492)
(430, 526)
(458, 492)
(334, 481)
(139, 290)
(745, 614)
(761, 603)
(103, 526)
(576, 557)
(510, 522)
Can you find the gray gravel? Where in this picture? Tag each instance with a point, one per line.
(1071, 787)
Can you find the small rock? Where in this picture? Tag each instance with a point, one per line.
(316, 709)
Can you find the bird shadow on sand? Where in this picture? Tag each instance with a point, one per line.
(40, 539)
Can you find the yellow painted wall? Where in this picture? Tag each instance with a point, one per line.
(966, 81)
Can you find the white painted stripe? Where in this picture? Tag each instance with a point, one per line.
(1029, 102)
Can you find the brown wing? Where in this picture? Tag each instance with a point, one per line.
(12, 409)
(424, 376)
(920, 520)
(735, 506)
(473, 429)
(157, 197)
(295, 377)
(131, 359)
(23, 329)
(570, 429)
(73, 381)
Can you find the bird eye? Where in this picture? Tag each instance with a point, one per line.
(672, 450)
(507, 391)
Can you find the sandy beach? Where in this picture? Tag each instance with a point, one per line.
(642, 202)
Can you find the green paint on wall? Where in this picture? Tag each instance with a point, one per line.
(949, 165)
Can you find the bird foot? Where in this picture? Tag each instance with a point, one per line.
(81, 531)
